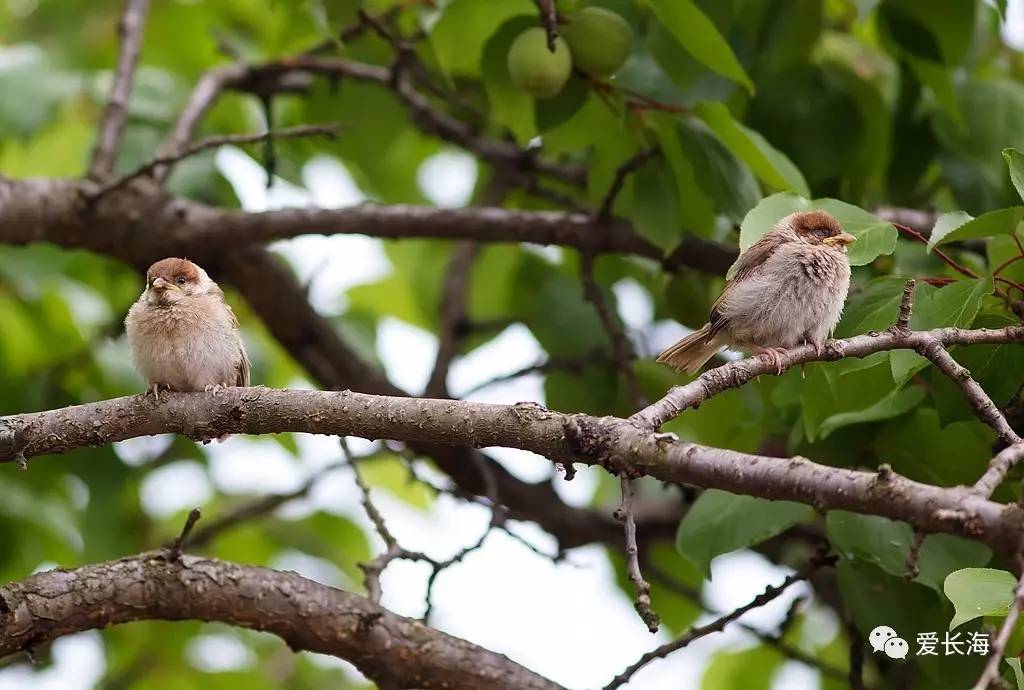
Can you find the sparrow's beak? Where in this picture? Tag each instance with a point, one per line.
(842, 239)
(159, 284)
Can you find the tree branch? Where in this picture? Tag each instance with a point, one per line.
(129, 30)
(616, 444)
(212, 143)
(770, 594)
(307, 615)
(736, 374)
(990, 673)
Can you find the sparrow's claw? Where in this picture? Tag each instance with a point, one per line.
(215, 389)
(774, 356)
(819, 348)
(153, 388)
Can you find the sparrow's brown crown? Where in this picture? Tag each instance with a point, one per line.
(174, 271)
(820, 227)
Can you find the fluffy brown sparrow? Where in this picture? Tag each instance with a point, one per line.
(788, 288)
(183, 334)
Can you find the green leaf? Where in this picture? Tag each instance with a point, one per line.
(896, 403)
(1005, 221)
(977, 592)
(874, 308)
(918, 447)
(697, 212)
(870, 538)
(1014, 664)
(941, 554)
(875, 236)
(1015, 162)
(720, 522)
(701, 38)
(655, 211)
(730, 670)
(769, 164)
(459, 36)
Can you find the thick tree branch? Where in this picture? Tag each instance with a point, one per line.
(387, 648)
(272, 291)
(129, 29)
(613, 443)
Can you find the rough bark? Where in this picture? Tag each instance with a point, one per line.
(616, 444)
(390, 649)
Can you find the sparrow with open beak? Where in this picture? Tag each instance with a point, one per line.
(786, 289)
(183, 334)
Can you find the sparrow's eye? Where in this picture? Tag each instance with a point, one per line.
(180, 280)
(822, 232)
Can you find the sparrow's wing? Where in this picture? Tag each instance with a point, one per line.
(242, 371)
(243, 366)
(748, 262)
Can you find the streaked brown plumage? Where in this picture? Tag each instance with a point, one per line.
(788, 288)
(183, 334)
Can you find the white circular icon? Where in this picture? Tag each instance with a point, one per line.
(896, 648)
(880, 635)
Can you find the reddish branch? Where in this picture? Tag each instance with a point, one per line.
(391, 650)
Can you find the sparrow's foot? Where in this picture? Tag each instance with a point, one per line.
(819, 348)
(774, 356)
(154, 389)
(215, 389)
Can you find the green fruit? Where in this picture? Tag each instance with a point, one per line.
(600, 41)
(534, 68)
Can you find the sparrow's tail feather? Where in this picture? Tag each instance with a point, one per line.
(690, 353)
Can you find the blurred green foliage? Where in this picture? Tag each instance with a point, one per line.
(758, 106)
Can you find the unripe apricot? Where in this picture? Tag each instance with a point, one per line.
(534, 68)
(600, 41)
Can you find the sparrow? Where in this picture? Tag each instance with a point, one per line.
(786, 289)
(183, 334)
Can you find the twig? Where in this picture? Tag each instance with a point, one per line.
(453, 318)
(549, 18)
(995, 656)
(736, 374)
(129, 30)
(946, 258)
(205, 92)
(998, 467)
(983, 406)
(638, 161)
(906, 306)
(597, 357)
(174, 553)
(624, 514)
(373, 570)
(856, 675)
(622, 349)
(770, 594)
(213, 142)
(774, 641)
(1012, 260)
(259, 507)
(912, 570)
